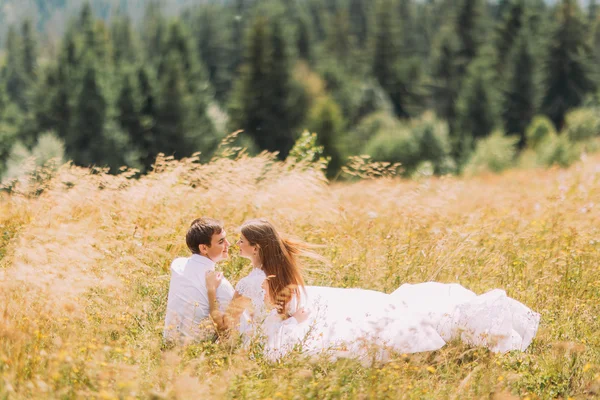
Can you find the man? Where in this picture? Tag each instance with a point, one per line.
(187, 314)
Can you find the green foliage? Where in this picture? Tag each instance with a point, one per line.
(477, 114)
(424, 139)
(519, 103)
(469, 25)
(85, 140)
(22, 161)
(557, 150)
(325, 119)
(509, 30)
(306, 150)
(495, 153)
(582, 124)
(568, 76)
(538, 131)
(445, 73)
(267, 103)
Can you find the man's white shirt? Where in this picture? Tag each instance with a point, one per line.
(187, 305)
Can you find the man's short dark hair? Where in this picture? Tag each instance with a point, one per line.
(201, 232)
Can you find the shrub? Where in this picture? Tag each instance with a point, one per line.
(582, 124)
(425, 139)
(557, 150)
(494, 154)
(540, 128)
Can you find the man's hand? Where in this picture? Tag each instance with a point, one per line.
(213, 280)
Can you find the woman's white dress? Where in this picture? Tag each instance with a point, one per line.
(365, 323)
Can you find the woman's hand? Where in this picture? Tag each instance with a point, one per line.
(301, 315)
(213, 280)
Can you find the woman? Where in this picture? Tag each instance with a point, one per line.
(357, 322)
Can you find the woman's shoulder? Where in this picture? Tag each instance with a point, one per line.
(251, 283)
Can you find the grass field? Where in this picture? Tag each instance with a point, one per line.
(84, 278)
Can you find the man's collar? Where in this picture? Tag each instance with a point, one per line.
(205, 261)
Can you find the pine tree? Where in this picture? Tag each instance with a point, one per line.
(213, 38)
(508, 30)
(29, 50)
(153, 31)
(339, 40)
(445, 73)
(286, 110)
(304, 38)
(520, 93)
(87, 29)
(325, 119)
(568, 76)
(85, 143)
(129, 116)
(476, 108)
(389, 72)
(247, 110)
(13, 73)
(469, 29)
(266, 103)
(148, 117)
(596, 48)
(180, 124)
(359, 21)
(124, 48)
(406, 14)
(592, 11)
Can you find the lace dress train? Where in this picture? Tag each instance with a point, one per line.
(414, 318)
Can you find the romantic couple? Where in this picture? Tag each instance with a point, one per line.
(273, 305)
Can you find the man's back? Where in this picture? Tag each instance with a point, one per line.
(187, 305)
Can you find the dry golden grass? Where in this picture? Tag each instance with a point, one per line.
(84, 278)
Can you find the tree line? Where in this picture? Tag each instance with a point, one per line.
(401, 80)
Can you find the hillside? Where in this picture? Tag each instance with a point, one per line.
(84, 275)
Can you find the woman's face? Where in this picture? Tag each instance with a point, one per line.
(246, 249)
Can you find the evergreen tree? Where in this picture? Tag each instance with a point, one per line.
(568, 75)
(153, 30)
(469, 29)
(179, 48)
(304, 39)
(213, 38)
(148, 117)
(13, 73)
(29, 50)
(596, 48)
(406, 14)
(519, 96)
(395, 77)
(339, 40)
(508, 30)
(87, 29)
(85, 143)
(287, 109)
(476, 108)
(445, 74)
(359, 21)
(129, 116)
(124, 48)
(592, 11)
(267, 104)
(174, 110)
(325, 119)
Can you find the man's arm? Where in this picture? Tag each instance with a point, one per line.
(230, 318)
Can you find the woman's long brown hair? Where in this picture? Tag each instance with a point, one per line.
(279, 257)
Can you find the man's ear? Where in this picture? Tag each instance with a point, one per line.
(203, 249)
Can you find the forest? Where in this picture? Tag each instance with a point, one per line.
(437, 86)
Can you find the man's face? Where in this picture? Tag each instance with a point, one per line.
(219, 247)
